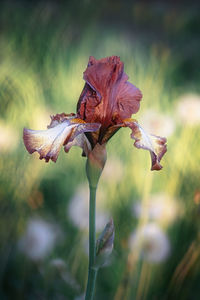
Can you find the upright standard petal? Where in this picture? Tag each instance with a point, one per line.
(61, 131)
(107, 97)
(155, 144)
(128, 99)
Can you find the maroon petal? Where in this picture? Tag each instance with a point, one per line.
(107, 96)
(102, 74)
(128, 99)
(87, 105)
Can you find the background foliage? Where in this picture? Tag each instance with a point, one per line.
(44, 49)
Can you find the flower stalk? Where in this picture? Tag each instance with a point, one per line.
(94, 167)
(92, 272)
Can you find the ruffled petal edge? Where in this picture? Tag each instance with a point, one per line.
(156, 145)
(61, 132)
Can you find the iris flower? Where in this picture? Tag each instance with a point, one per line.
(106, 104)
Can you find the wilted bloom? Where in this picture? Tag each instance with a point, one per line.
(39, 239)
(106, 104)
(151, 242)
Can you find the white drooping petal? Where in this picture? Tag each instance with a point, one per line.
(49, 142)
(156, 145)
(80, 141)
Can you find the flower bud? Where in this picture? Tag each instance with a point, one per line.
(104, 245)
(95, 164)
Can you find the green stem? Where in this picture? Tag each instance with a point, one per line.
(92, 273)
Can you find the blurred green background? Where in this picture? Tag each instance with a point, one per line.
(44, 49)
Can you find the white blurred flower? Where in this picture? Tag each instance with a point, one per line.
(78, 209)
(157, 123)
(39, 239)
(113, 170)
(59, 265)
(160, 207)
(151, 242)
(188, 109)
(81, 297)
(8, 137)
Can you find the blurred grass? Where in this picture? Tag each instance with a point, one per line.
(41, 66)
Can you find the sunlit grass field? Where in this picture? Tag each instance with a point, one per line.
(162, 262)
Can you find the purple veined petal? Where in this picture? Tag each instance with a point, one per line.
(80, 141)
(49, 142)
(79, 138)
(156, 145)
